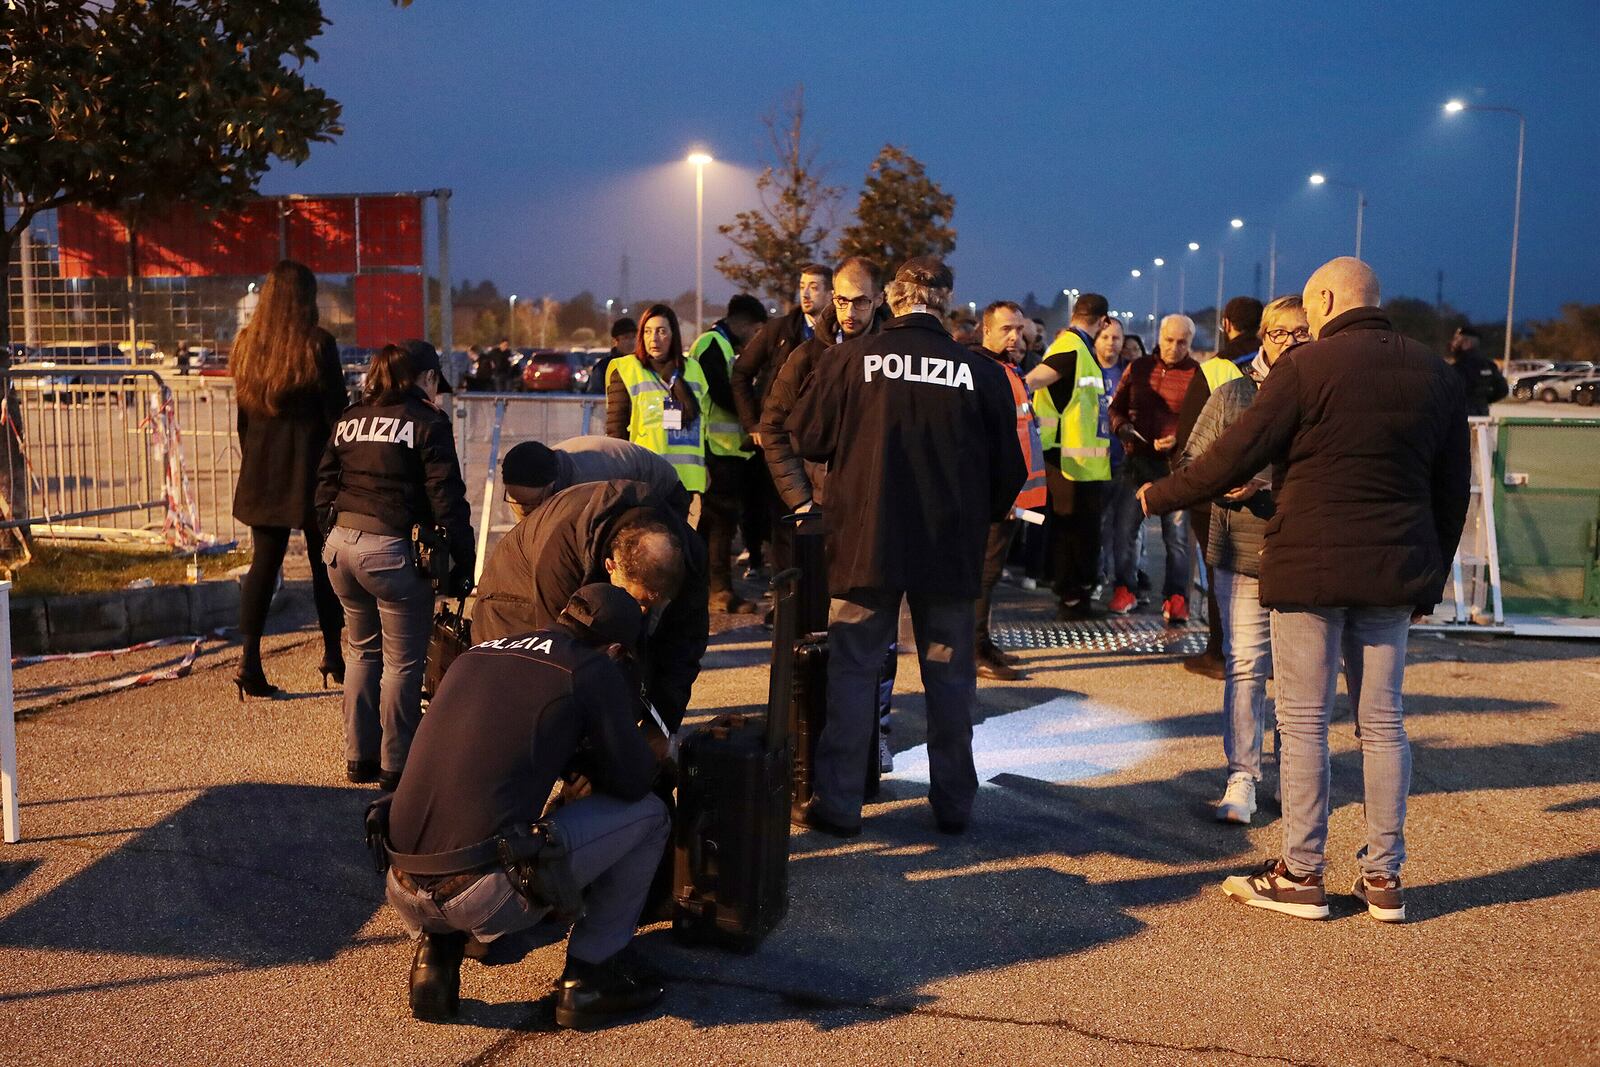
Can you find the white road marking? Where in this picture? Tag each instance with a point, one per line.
(1066, 739)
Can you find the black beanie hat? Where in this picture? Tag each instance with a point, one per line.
(530, 465)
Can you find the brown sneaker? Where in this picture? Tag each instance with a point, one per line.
(1274, 888)
(1383, 897)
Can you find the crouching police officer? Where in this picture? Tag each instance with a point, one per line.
(464, 860)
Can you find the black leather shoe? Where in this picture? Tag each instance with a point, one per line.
(1084, 610)
(389, 781)
(951, 827)
(361, 771)
(590, 996)
(436, 977)
(807, 817)
(992, 667)
(1206, 664)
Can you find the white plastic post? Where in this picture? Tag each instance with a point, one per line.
(8, 720)
(489, 478)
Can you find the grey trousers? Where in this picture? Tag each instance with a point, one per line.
(388, 614)
(861, 626)
(616, 845)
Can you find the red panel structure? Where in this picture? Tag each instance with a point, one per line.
(92, 244)
(321, 233)
(388, 308)
(189, 242)
(390, 231)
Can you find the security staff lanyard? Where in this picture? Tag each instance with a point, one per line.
(671, 410)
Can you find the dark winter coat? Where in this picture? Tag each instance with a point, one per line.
(396, 464)
(797, 480)
(759, 363)
(279, 454)
(1482, 380)
(920, 438)
(563, 546)
(1235, 530)
(1370, 431)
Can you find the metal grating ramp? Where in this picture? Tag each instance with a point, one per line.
(1136, 635)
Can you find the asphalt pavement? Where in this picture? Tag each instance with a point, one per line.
(192, 887)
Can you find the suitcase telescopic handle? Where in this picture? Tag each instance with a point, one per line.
(785, 632)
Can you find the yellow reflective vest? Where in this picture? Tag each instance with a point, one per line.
(1085, 455)
(648, 399)
(723, 432)
(1218, 370)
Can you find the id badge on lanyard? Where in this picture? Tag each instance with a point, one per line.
(678, 434)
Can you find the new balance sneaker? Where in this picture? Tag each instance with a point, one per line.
(1122, 601)
(1175, 609)
(1238, 803)
(1275, 889)
(1383, 897)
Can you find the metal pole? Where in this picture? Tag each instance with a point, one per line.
(1511, 292)
(1361, 209)
(1182, 283)
(30, 315)
(1155, 298)
(8, 722)
(511, 321)
(1272, 265)
(1219, 297)
(699, 245)
(447, 318)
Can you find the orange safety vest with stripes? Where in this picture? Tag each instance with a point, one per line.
(1034, 494)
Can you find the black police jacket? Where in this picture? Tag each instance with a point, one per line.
(396, 463)
(480, 762)
(562, 547)
(920, 438)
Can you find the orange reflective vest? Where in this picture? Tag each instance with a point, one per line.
(1034, 494)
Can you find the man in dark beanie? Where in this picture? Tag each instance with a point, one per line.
(480, 771)
(533, 472)
(624, 336)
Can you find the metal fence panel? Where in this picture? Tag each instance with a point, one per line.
(1547, 513)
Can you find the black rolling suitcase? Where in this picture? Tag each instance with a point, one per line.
(731, 854)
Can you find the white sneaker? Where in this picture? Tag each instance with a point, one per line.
(1029, 584)
(885, 754)
(1238, 803)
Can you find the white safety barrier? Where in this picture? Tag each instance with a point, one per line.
(8, 720)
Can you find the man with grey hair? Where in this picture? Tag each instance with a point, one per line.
(1369, 432)
(1144, 414)
(921, 440)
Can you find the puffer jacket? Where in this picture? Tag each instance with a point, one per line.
(1237, 530)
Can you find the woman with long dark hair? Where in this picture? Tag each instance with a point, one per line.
(391, 466)
(654, 397)
(290, 389)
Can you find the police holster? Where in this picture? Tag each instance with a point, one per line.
(536, 859)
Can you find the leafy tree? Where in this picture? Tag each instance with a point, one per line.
(772, 244)
(902, 213)
(581, 312)
(134, 104)
(1574, 336)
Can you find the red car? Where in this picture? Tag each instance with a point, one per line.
(549, 372)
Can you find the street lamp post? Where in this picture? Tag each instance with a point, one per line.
(1155, 288)
(1237, 224)
(699, 159)
(511, 320)
(1183, 281)
(1456, 106)
(1361, 201)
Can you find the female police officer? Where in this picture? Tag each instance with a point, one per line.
(391, 465)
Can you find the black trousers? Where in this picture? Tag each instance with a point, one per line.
(995, 552)
(268, 544)
(1075, 535)
(759, 509)
(720, 509)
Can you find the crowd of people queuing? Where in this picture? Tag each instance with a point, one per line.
(1316, 463)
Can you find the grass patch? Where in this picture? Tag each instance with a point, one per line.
(58, 570)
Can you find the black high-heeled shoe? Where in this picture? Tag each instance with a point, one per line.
(331, 669)
(254, 684)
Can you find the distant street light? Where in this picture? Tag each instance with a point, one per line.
(511, 321)
(1160, 262)
(608, 311)
(1237, 224)
(1457, 106)
(1155, 287)
(699, 161)
(1183, 279)
(1361, 201)
(1136, 272)
(1194, 246)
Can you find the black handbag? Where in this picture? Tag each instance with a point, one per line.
(430, 551)
(451, 636)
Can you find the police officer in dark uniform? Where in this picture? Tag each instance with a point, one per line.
(389, 466)
(480, 772)
(920, 436)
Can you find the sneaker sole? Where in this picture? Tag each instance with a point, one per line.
(1233, 815)
(1382, 914)
(1299, 911)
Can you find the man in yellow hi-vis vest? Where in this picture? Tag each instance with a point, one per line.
(1067, 388)
(730, 455)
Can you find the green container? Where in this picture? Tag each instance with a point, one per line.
(1547, 515)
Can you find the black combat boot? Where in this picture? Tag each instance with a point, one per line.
(590, 996)
(436, 976)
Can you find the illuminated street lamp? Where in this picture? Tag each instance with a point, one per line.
(1237, 224)
(511, 320)
(1455, 107)
(1155, 287)
(1361, 201)
(699, 161)
(1136, 273)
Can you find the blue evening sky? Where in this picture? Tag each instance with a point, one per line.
(1079, 140)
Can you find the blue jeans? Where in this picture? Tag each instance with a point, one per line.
(1247, 656)
(861, 628)
(615, 848)
(1174, 535)
(1307, 645)
(388, 617)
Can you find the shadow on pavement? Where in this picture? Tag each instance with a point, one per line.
(1534, 881)
(253, 874)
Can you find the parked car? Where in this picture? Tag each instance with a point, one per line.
(1584, 392)
(553, 372)
(1547, 385)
